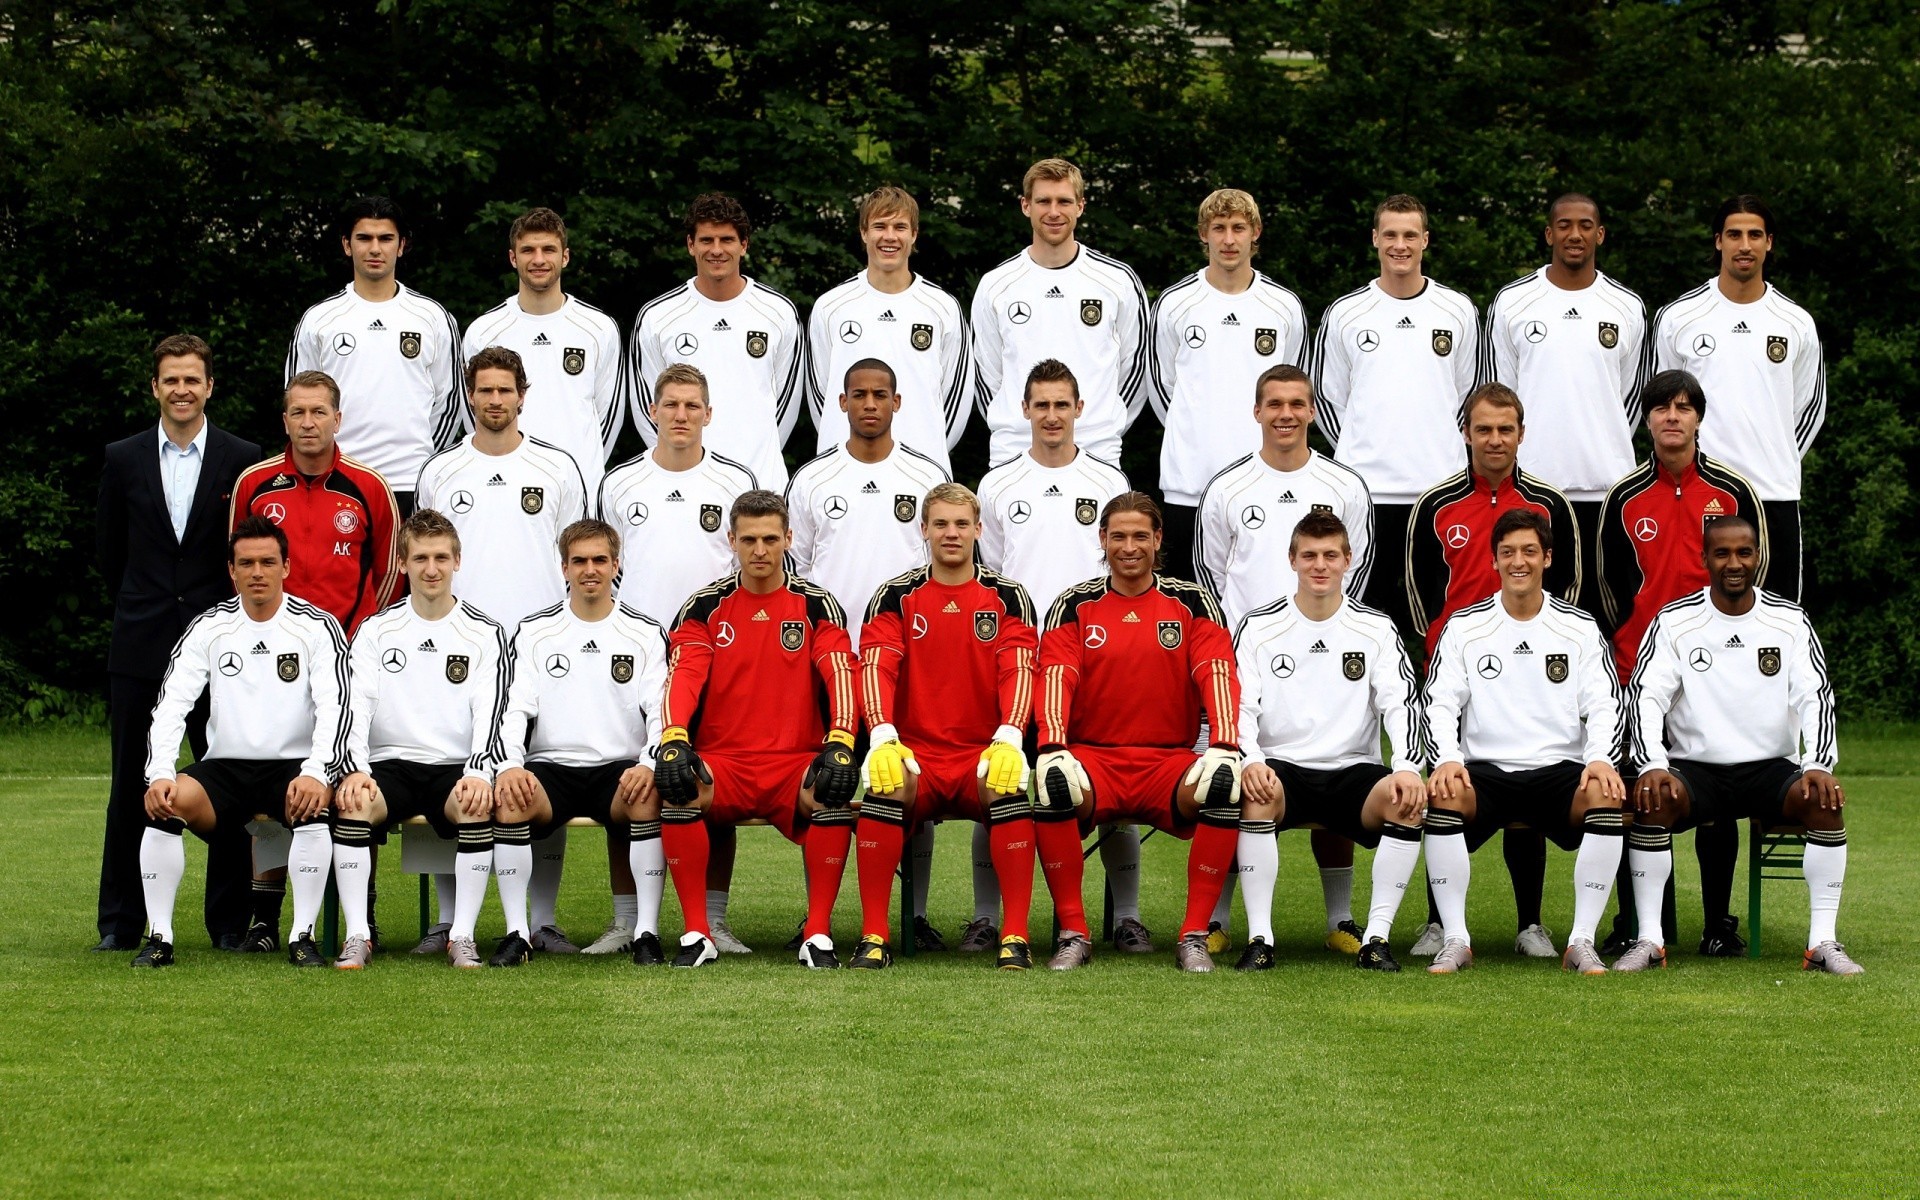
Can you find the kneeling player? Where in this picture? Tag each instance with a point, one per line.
(1129, 661)
(1521, 693)
(1320, 674)
(275, 670)
(761, 681)
(1737, 679)
(947, 664)
(583, 706)
(425, 686)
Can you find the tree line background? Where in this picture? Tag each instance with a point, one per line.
(168, 167)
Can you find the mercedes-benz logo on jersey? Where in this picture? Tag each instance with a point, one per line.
(1367, 340)
(1535, 331)
(1282, 666)
(1703, 345)
(275, 512)
(1018, 312)
(686, 343)
(230, 664)
(1253, 517)
(849, 331)
(836, 507)
(558, 666)
(636, 513)
(1196, 337)
(1096, 637)
(1019, 513)
(343, 343)
(462, 502)
(1488, 666)
(919, 626)
(1458, 536)
(1700, 660)
(394, 659)
(1646, 529)
(723, 636)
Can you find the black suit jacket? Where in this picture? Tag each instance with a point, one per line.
(159, 582)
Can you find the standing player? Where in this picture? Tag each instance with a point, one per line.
(947, 666)
(1393, 363)
(276, 670)
(1759, 354)
(1060, 299)
(1523, 720)
(570, 348)
(427, 681)
(742, 334)
(394, 352)
(761, 679)
(1214, 332)
(1320, 677)
(1130, 662)
(583, 707)
(1734, 718)
(890, 313)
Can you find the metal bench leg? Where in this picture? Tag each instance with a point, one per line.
(1756, 840)
(907, 947)
(426, 913)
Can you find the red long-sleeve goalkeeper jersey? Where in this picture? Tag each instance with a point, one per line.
(1137, 670)
(753, 672)
(948, 664)
(340, 528)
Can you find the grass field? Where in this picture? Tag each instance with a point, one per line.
(238, 1076)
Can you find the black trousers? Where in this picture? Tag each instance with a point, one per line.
(1387, 584)
(1783, 548)
(1176, 540)
(123, 907)
(1586, 515)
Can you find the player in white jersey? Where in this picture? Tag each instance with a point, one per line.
(275, 671)
(394, 352)
(1733, 717)
(742, 334)
(586, 681)
(1757, 354)
(426, 685)
(571, 349)
(1523, 725)
(1392, 363)
(1213, 333)
(890, 313)
(1038, 515)
(1320, 677)
(1060, 299)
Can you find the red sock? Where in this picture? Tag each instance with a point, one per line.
(825, 853)
(685, 846)
(1011, 844)
(1058, 845)
(1208, 861)
(877, 846)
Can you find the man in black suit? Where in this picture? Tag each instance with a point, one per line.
(162, 533)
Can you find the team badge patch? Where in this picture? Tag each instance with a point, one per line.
(986, 625)
(1609, 334)
(1324, 508)
(1085, 510)
(792, 633)
(410, 345)
(1776, 349)
(623, 668)
(709, 517)
(456, 668)
(1556, 668)
(289, 667)
(1265, 341)
(1353, 664)
(532, 500)
(1170, 634)
(921, 337)
(1089, 312)
(573, 360)
(1443, 342)
(1769, 660)
(903, 508)
(756, 344)
(345, 520)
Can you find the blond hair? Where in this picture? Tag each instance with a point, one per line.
(950, 493)
(886, 202)
(683, 373)
(1228, 202)
(1053, 169)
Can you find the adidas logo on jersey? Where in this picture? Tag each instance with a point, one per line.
(1733, 643)
(951, 607)
(1052, 490)
(1317, 648)
(1405, 323)
(1572, 314)
(496, 481)
(377, 324)
(1054, 293)
(1130, 619)
(721, 325)
(427, 645)
(1742, 328)
(675, 495)
(1523, 648)
(540, 339)
(1230, 319)
(1287, 498)
(592, 647)
(260, 648)
(1713, 508)
(762, 616)
(886, 316)
(870, 490)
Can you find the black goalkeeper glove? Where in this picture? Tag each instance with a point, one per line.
(678, 771)
(834, 775)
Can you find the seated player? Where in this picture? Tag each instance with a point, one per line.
(274, 668)
(1523, 720)
(1320, 674)
(583, 706)
(1735, 679)
(760, 718)
(947, 662)
(425, 687)
(1129, 662)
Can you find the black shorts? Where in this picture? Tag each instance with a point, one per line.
(1719, 792)
(1540, 798)
(1329, 797)
(417, 790)
(580, 791)
(244, 788)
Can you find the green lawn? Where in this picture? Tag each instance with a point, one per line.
(232, 1076)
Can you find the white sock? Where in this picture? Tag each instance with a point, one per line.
(1258, 868)
(1449, 870)
(648, 858)
(626, 909)
(1602, 841)
(986, 883)
(1650, 860)
(1336, 890)
(352, 867)
(922, 850)
(1825, 865)
(446, 895)
(307, 862)
(470, 874)
(716, 906)
(549, 860)
(163, 864)
(1393, 863)
(512, 872)
(1120, 855)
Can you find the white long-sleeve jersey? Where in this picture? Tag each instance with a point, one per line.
(583, 693)
(278, 689)
(509, 509)
(1733, 689)
(425, 691)
(1317, 693)
(575, 371)
(1390, 376)
(1090, 314)
(754, 354)
(1245, 526)
(1761, 368)
(1577, 360)
(1522, 694)
(1040, 525)
(920, 333)
(1207, 351)
(857, 525)
(674, 528)
(402, 386)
